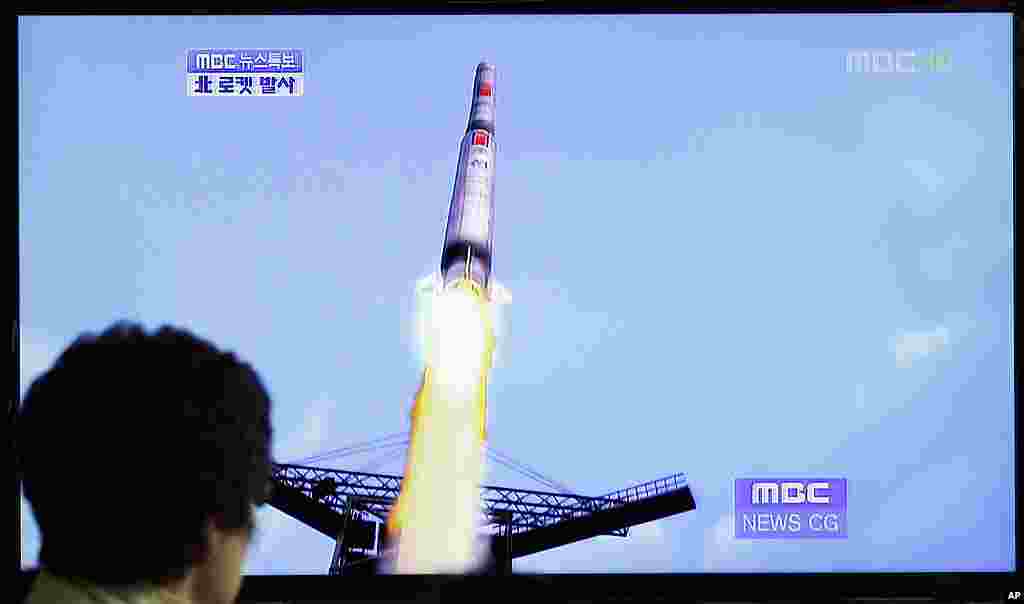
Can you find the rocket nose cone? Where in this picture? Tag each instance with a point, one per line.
(484, 66)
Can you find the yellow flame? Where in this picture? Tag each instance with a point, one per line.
(434, 521)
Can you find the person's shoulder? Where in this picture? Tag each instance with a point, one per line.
(48, 588)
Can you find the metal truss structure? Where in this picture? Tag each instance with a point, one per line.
(351, 508)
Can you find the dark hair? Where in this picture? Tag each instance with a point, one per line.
(131, 442)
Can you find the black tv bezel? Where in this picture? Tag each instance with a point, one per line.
(813, 587)
(682, 587)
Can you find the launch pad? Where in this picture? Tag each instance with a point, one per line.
(352, 508)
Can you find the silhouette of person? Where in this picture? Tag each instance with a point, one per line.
(143, 456)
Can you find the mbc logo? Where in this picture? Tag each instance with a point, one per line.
(897, 61)
(800, 508)
(771, 493)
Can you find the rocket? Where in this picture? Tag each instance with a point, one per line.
(467, 253)
(433, 519)
(469, 232)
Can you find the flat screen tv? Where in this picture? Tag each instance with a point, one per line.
(751, 278)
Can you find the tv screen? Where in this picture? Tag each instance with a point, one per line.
(751, 274)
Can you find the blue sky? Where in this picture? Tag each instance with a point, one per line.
(728, 256)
